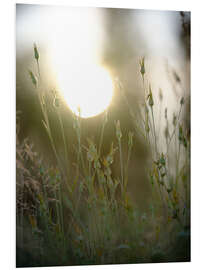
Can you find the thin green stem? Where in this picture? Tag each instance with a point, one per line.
(102, 135)
(126, 169)
(173, 133)
(177, 165)
(64, 142)
(156, 150)
(131, 112)
(121, 165)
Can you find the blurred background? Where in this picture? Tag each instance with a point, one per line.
(73, 40)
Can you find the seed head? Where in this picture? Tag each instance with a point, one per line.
(142, 66)
(56, 102)
(166, 132)
(176, 77)
(174, 119)
(36, 54)
(182, 101)
(162, 160)
(33, 78)
(180, 136)
(150, 97)
(160, 95)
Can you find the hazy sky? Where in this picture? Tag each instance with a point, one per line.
(75, 38)
(50, 24)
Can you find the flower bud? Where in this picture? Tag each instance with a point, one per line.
(142, 66)
(36, 54)
(33, 78)
(150, 97)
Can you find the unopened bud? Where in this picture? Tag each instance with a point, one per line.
(33, 78)
(36, 54)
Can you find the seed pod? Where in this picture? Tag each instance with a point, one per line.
(142, 66)
(151, 179)
(176, 77)
(169, 189)
(184, 142)
(97, 164)
(174, 119)
(180, 136)
(160, 95)
(36, 54)
(56, 102)
(166, 132)
(161, 182)
(162, 160)
(182, 101)
(33, 78)
(150, 97)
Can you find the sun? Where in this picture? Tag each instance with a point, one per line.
(88, 91)
(76, 51)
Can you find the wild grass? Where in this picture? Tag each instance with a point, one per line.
(88, 217)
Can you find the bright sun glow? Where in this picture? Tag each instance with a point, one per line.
(89, 89)
(76, 50)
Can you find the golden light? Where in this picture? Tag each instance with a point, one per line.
(90, 89)
(76, 48)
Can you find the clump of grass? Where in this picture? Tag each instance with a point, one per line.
(91, 219)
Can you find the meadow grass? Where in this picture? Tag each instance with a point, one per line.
(89, 217)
